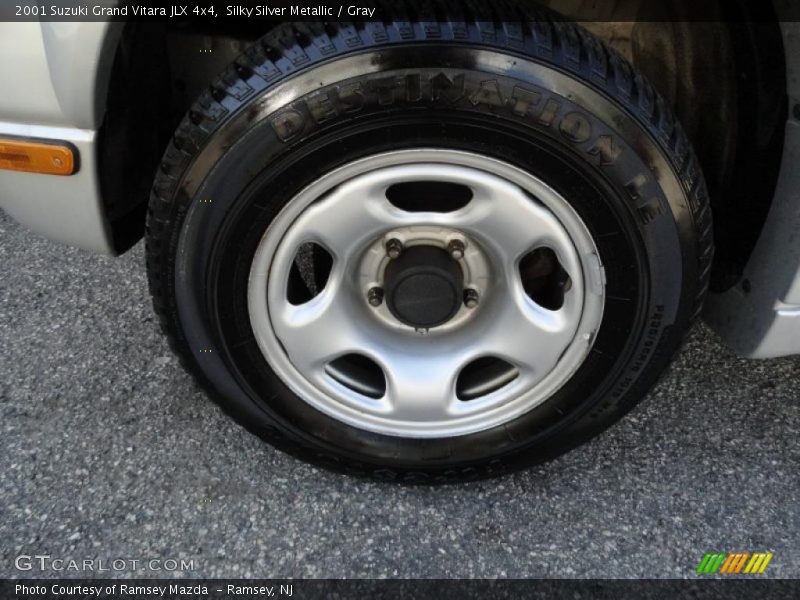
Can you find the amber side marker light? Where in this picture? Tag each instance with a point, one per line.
(36, 157)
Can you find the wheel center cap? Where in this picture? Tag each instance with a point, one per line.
(424, 287)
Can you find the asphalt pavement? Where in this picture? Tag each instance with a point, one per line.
(109, 451)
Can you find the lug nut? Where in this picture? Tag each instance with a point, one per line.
(456, 249)
(375, 296)
(471, 298)
(394, 248)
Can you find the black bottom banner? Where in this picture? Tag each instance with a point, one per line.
(438, 589)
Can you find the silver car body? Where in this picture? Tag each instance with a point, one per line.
(56, 76)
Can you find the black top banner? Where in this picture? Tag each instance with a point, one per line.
(412, 10)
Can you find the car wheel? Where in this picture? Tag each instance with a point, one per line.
(428, 253)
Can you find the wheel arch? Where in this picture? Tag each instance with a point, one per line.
(195, 53)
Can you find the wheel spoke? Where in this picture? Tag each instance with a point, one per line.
(349, 217)
(528, 336)
(322, 329)
(509, 220)
(421, 386)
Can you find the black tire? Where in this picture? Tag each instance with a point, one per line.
(561, 104)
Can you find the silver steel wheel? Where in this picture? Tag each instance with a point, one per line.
(510, 216)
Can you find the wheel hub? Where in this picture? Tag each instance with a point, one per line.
(424, 287)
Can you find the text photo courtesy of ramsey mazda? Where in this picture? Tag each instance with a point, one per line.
(438, 242)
